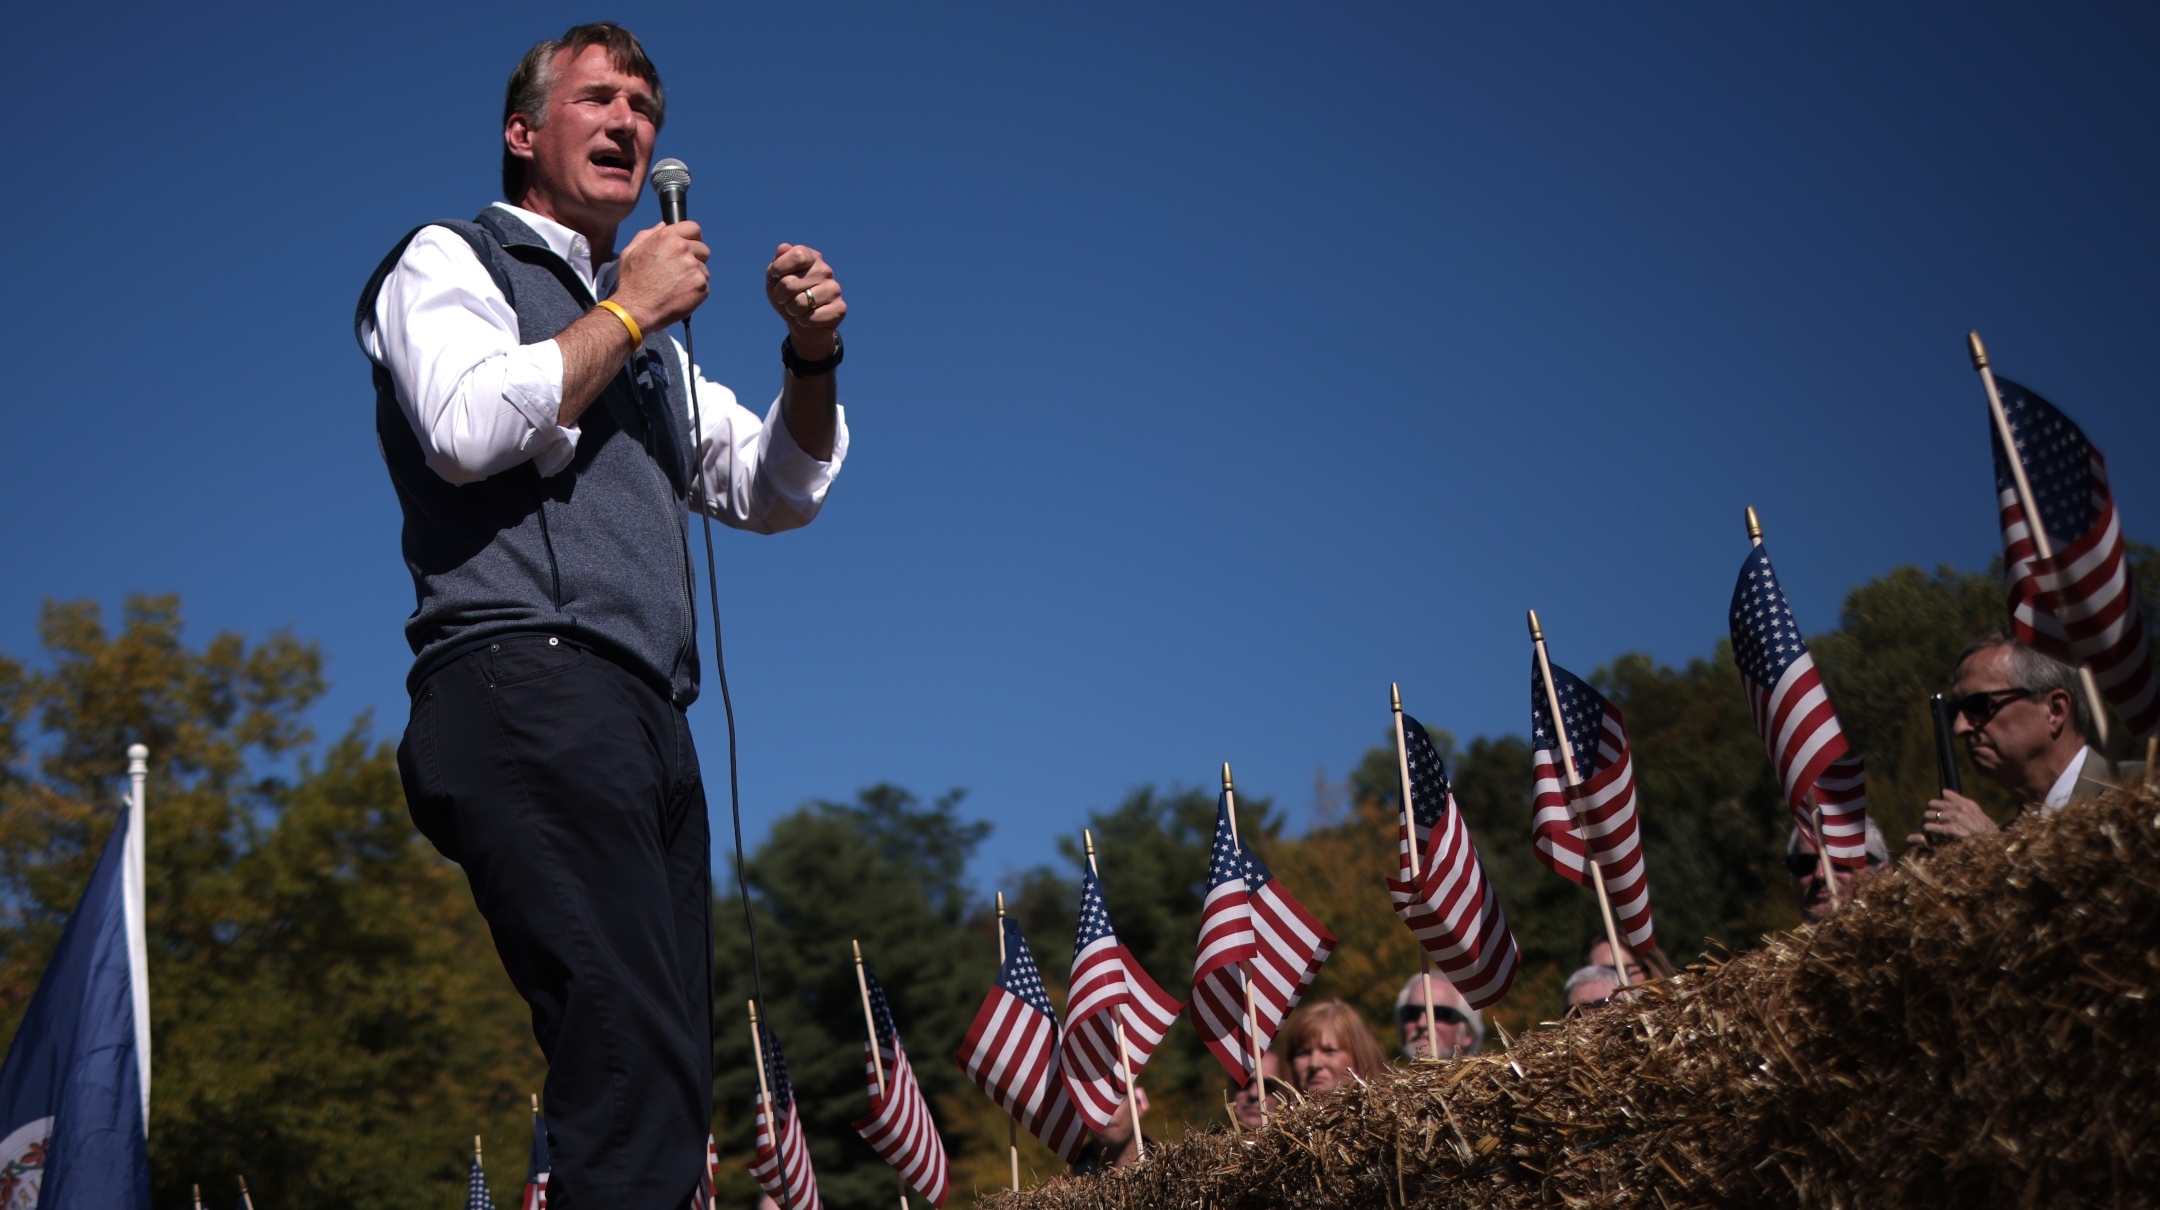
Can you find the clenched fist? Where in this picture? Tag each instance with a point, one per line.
(802, 288)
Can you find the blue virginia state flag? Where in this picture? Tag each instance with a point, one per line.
(73, 1103)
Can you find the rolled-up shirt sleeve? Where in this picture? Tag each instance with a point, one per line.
(479, 401)
(755, 476)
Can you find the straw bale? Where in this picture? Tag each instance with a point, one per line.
(1976, 1029)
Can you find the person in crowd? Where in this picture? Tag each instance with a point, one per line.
(2027, 725)
(1591, 987)
(1245, 1102)
(1810, 892)
(1113, 1147)
(1329, 1047)
(1598, 952)
(1458, 1029)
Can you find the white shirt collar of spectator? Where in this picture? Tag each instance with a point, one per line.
(2059, 794)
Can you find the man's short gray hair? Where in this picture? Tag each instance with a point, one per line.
(1589, 974)
(1476, 1018)
(2037, 673)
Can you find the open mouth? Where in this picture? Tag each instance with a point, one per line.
(614, 160)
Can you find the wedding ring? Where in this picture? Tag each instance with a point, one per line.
(810, 294)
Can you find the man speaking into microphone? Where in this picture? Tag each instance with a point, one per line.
(536, 418)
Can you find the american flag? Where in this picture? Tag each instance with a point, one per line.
(2079, 606)
(1108, 986)
(1450, 906)
(477, 1196)
(536, 1169)
(1603, 806)
(789, 1159)
(898, 1126)
(1011, 1052)
(1793, 714)
(1250, 928)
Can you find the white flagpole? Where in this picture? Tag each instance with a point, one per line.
(1567, 756)
(132, 899)
(2044, 548)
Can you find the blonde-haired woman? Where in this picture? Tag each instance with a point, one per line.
(1330, 1047)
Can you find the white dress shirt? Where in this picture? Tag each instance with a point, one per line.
(2058, 795)
(481, 402)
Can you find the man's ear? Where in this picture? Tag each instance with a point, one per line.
(517, 136)
(2060, 710)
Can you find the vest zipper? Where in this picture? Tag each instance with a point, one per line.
(554, 568)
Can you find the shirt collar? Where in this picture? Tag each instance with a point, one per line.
(2059, 794)
(574, 249)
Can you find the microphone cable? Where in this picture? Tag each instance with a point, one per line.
(671, 186)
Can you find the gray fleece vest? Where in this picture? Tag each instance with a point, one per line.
(597, 553)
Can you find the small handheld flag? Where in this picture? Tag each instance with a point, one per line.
(898, 1126)
(536, 1169)
(781, 1161)
(1108, 988)
(1602, 808)
(1011, 1052)
(1799, 729)
(1440, 890)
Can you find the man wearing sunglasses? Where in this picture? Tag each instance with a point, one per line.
(1458, 1029)
(1811, 894)
(2025, 723)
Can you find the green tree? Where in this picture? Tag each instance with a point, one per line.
(327, 1015)
(886, 871)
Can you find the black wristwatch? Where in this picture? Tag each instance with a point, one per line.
(810, 369)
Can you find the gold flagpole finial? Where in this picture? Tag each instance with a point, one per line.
(858, 951)
(536, 1102)
(1537, 633)
(1394, 692)
(1754, 526)
(475, 1154)
(753, 1013)
(1088, 837)
(1226, 775)
(1978, 350)
(1001, 905)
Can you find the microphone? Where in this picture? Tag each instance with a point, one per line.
(671, 184)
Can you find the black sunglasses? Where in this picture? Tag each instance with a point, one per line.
(1576, 1010)
(1442, 1015)
(1978, 708)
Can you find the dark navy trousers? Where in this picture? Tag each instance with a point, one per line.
(569, 791)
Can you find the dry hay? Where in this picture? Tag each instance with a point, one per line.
(1973, 1030)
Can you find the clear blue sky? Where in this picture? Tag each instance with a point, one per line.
(1209, 367)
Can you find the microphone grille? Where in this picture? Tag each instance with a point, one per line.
(670, 174)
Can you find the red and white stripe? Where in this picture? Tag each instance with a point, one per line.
(898, 1126)
(1227, 944)
(788, 1160)
(2079, 607)
(1809, 752)
(1604, 807)
(1288, 947)
(1454, 911)
(1109, 986)
(1011, 1053)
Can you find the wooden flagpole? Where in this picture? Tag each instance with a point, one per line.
(1822, 843)
(2045, 548)
(1012, 1125)
(1409, 821)
(877, 1061)
(198, 1196)
(1567, 757)
(249, 1202)
(1252, 1011)
(1124, 1051)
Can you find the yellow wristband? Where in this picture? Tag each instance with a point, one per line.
(637, 334)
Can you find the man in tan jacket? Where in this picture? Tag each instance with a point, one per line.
(2025, 722)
